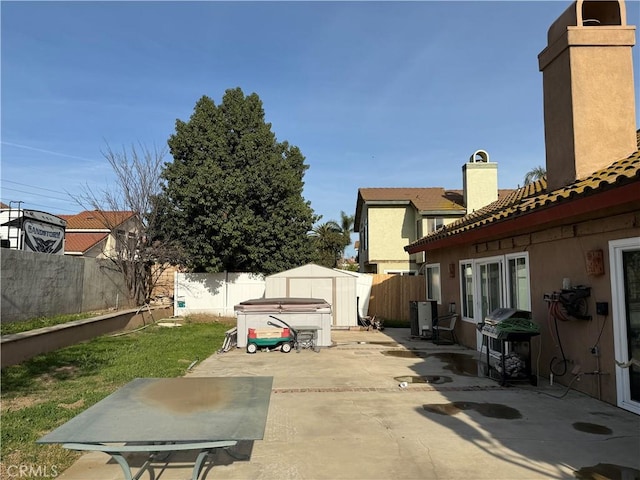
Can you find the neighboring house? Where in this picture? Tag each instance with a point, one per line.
(578, 227)
(389, 218)
(101, 234)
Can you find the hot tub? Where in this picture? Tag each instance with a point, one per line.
(297, 312)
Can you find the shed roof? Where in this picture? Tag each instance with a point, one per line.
(310, 270)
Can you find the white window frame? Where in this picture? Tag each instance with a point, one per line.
(505, 278)
(505, 300)
(618, 315)
(463, 301)
(401, 272)
(432, 267)
(477, 264)
(509, 300)
(434, 224)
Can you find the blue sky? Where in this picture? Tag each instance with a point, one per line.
(375, 94)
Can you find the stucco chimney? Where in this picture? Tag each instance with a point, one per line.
(589, 103)
(479, 181)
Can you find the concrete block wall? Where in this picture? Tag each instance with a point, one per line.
(37, 284)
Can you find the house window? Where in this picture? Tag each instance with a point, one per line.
(518, 283)
(432, 274)
(466, 287)
(401, 272)
(494, 282)
(365, 234)
(434, 224)
(491, 290)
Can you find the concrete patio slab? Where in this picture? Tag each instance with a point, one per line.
(344, 413)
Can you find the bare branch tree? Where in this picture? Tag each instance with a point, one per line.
(127, 209)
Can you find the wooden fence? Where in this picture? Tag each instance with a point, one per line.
(391, 294)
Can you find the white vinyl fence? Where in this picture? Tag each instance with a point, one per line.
(214, 293)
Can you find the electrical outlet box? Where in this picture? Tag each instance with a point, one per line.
(602, 308)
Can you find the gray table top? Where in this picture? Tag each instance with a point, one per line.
(173, 410)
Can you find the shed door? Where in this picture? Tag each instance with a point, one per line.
(312, 288)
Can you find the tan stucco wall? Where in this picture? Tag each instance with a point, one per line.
(130, 226)
(480, 184)
(555, 254)
(390, 229)
(588, 101)
(395, 267)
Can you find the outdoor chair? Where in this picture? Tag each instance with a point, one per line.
(445, 324)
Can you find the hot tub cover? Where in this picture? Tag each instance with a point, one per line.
(280, 305)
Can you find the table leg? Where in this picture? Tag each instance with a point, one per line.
(197, 467)
(126, 469)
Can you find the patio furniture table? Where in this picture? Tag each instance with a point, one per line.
(155, 415)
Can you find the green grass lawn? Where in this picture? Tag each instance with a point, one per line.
(44, 392)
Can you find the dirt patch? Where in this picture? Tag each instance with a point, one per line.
(18, 403)
(72, 406)
(60, 373)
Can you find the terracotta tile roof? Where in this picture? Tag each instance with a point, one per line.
(534, 197)
(81, 242)
(97, 219)
(3, 205)
(434, 199)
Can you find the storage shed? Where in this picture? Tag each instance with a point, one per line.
(313, 281)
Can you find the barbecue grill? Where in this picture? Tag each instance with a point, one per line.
(501, 322)
(501, 328)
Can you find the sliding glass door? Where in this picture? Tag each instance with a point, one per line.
(624, 257)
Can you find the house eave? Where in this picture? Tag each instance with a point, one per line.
(444, 213)
(620, 198)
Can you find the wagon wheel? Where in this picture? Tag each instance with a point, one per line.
(252, 348)
(286, 347)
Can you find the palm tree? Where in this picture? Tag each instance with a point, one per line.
(328, 240)
(534, 175)
(346, 226)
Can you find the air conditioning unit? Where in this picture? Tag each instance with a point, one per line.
(422, 314)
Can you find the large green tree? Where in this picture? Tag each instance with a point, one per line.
(233, 192)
